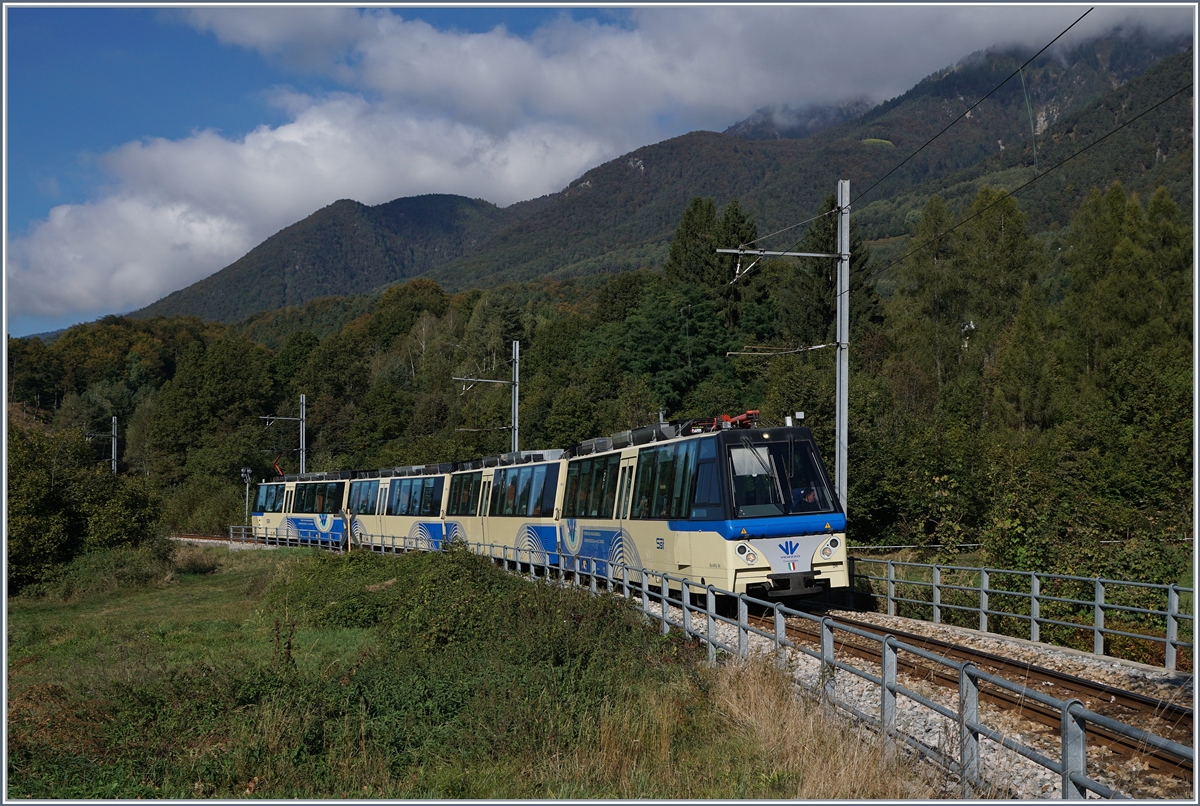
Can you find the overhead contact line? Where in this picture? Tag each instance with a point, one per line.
(1015, 191)
(972, 107)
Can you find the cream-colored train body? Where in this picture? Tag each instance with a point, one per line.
(743, 509)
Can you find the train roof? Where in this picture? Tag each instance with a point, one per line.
(656, 432)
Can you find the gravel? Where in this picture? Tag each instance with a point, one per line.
(1004, 773)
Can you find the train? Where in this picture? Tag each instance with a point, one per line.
(725, 501)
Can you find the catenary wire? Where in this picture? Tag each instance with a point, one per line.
(1015, 191)
(919, 150)
(977, 103)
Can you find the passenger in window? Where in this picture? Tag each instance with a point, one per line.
(804, 499)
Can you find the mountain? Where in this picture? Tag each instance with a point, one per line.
(622, 214)
(345, 248)
(785, 123)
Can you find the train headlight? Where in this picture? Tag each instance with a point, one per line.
(826, 551)
(834, 543)
(751, 557)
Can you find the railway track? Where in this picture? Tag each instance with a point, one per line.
(1156, 716)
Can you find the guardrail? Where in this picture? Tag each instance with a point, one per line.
(674, 602)
(1033, 598)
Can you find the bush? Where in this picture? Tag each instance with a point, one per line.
(107, 570)
(204, 506)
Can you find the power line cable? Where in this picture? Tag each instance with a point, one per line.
(977, 103)
(1014, 192)
(915, 153)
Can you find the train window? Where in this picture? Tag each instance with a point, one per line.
(362, 497)
(398, 496)
(536, 492)
(464, 494)
(549, 491)
(685, 460)
(270, 498)
(706, 496)
(645, 483)
(572, 489)
(430, 497)
(609, 486)
(525, 479)
(623, 493)
(778, 478)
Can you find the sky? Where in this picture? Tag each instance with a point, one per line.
(146, 149)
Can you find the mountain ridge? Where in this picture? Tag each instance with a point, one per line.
(622, 214)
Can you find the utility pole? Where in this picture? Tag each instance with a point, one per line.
(247, 474)
(843, 338)
(272, 418)
(114, 445)
(841, 385)
(515, 383)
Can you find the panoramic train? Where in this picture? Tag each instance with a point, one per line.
(721, 501)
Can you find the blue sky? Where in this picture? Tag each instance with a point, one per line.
(147, 149)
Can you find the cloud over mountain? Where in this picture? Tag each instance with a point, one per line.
(490, 114)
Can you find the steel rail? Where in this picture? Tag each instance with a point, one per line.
(1162, 761)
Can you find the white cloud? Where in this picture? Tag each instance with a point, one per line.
(185, 208)
(488, 115)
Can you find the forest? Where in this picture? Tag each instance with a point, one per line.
(1031, 395)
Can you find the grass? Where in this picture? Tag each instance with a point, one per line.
(293, 673)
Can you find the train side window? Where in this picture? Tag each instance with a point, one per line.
(623, 493)
(549, 491)
(525, 479)
(497, 492)
(536, 491)
(473, 493)
(356, 491)
(644, 487)
(431, 497)
(664, 478)
(335, 494)
(685, 461)
(706, 495)
(572, 489)
(610, 485)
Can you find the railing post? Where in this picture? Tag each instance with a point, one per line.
(827, 667)
(887, 690)
(1035, 607)
(983, 599)
(1172, 625)
(710, 622)
(686, 603)
(592, 575)
(666, 598)
(625, 581)
(891, 588)
(937, 594)
(645, 592)
(780, 637)
(968, 717)
(1074, 751)
(743, 626)
(1098, 620)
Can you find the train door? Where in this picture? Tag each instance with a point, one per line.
(485, 498)
(624, 490)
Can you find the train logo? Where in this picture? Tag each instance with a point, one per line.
(572, 535)
(324, 523)
(789, 548)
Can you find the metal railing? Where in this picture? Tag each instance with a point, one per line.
(1035, 599)
(675, 602)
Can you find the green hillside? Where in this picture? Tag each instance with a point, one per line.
(1154, 151)
(345, 248)
(621, 215)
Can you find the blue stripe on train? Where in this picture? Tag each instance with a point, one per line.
(778, 526)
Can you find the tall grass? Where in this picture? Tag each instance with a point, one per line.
(294, 674)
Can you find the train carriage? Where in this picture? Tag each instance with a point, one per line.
(742, 508)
